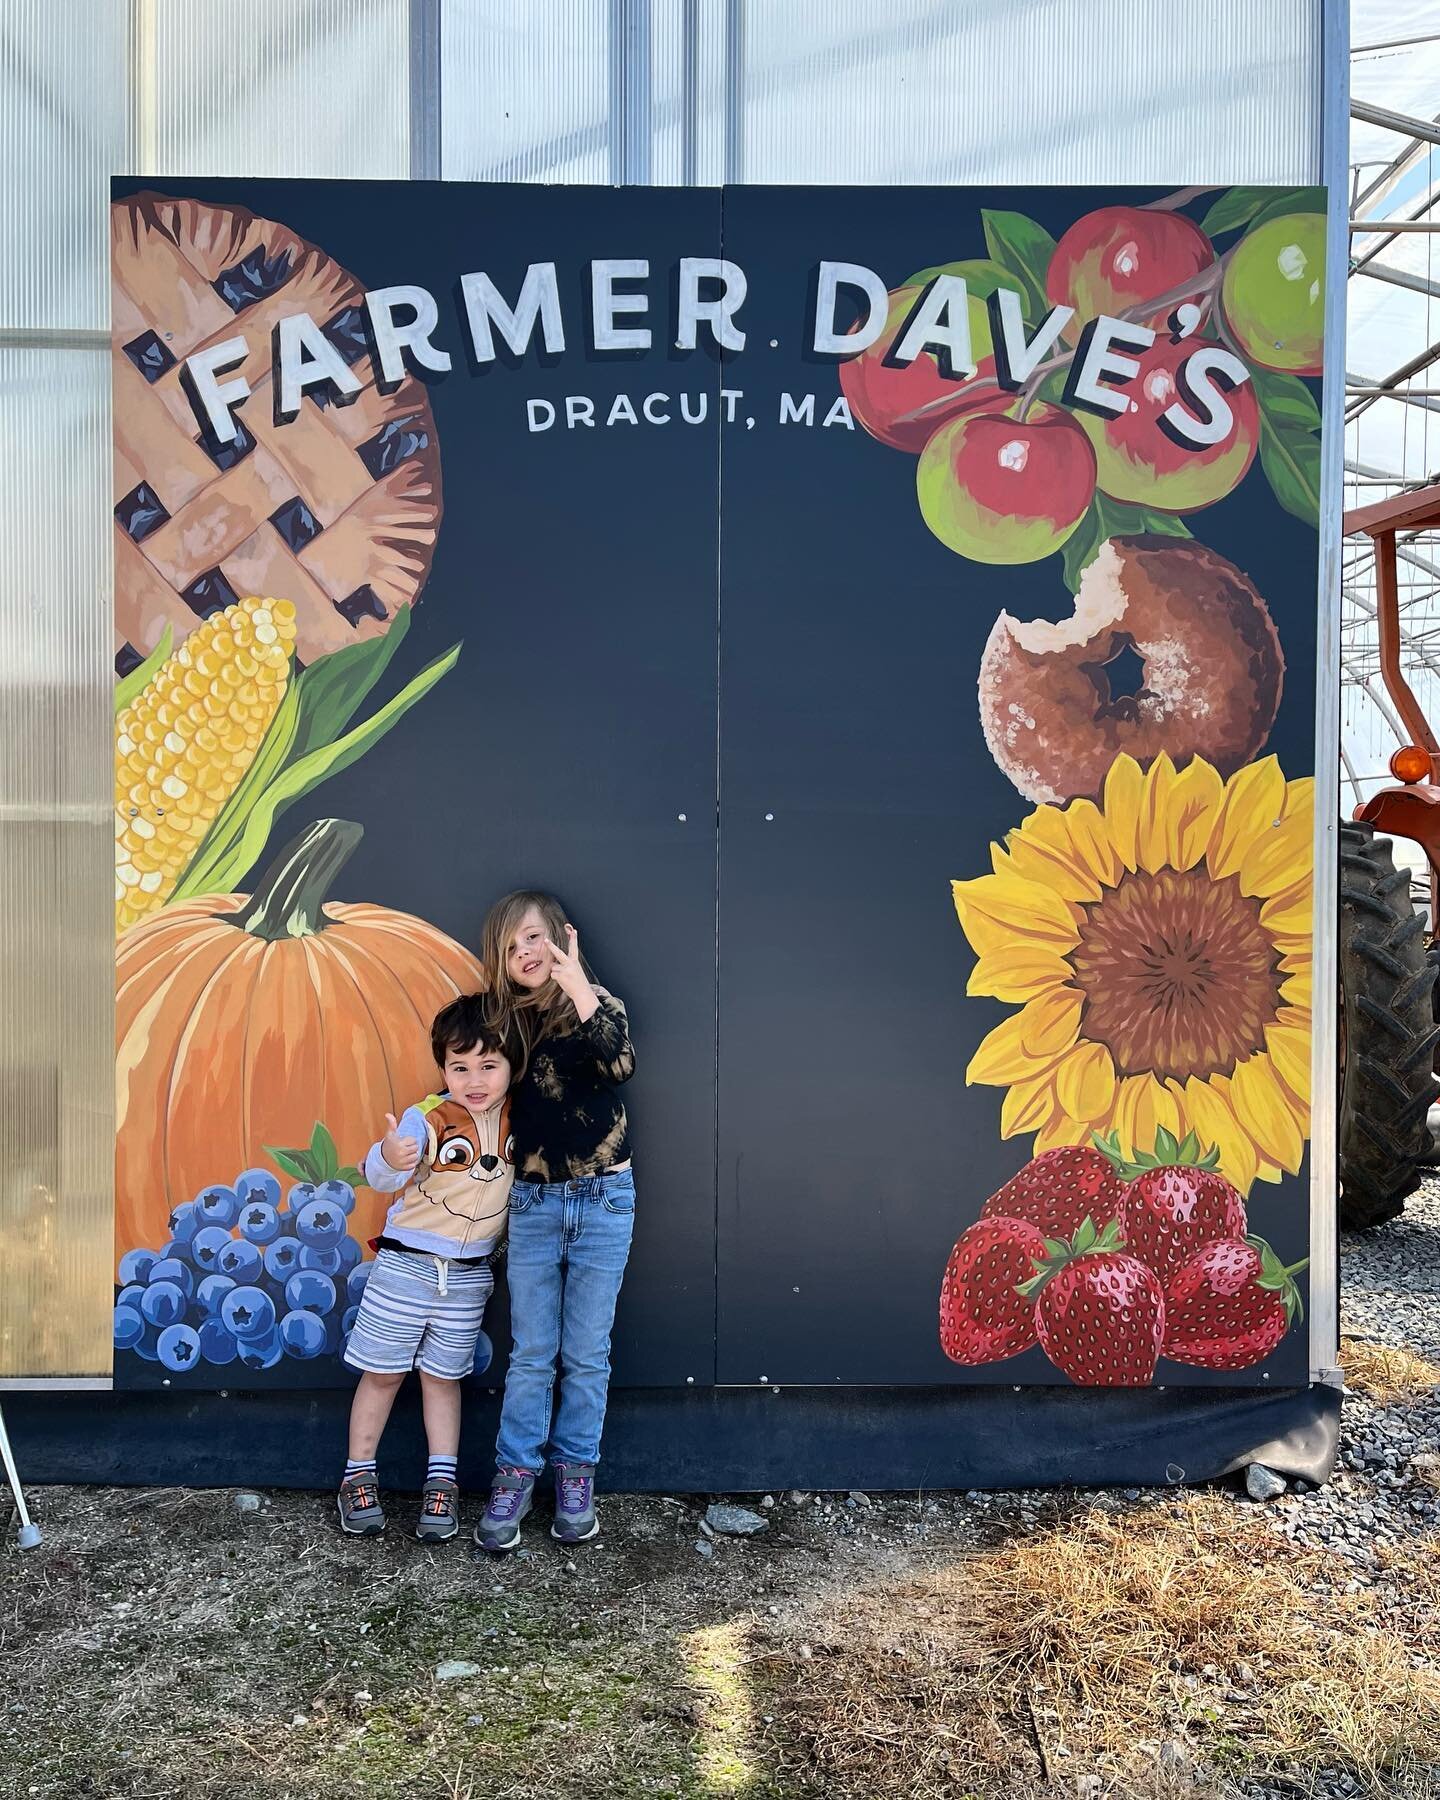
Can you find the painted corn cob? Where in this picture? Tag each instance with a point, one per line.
(184, 742)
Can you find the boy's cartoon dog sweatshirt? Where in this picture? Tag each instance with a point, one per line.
(455, 1201)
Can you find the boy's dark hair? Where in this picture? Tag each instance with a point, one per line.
(465, 1024)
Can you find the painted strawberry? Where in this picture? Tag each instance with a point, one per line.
(1173, 1202)
(983, 1315)
(1058, 1190)
(1099, 1313)
(1229, 1304)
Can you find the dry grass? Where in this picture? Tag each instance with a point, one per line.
(1118, 1646)
(1385, 1374)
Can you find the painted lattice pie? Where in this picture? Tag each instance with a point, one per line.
(336, 510)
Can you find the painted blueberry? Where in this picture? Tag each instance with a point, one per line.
(179, 1347)
(324, 1262)
(338, 1193)
(300, 1196)
(206, 1245)
(262, 1352)
(349, 1252)
(184, 1222)
(258, 1184)
(217, 1206)
(484, 1354)
(211, 1291)
(248, 1312)
(130, 1295)
(240, 1260)
(356, 1279)
(347, 1324)
(174, 1269)
(302, 1334)
(282, 1258)
(259, 1222)
(129, 1327)
(135, 1265)
(163, 1303)
(310, 1291)
(145, 1345)
(217, 1344)
(321, 1225)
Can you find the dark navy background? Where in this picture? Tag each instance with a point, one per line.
(798, 1231)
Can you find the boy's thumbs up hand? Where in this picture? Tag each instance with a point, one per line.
(402, 1153)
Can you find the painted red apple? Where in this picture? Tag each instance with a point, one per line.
(881, 394)
(1138, 461)
(1001, 489)
(1120, 256)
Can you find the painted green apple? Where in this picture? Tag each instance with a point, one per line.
(1136, 458)
(1000, 489)
(1274, 293)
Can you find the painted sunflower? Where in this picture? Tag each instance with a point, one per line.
(1158, 946)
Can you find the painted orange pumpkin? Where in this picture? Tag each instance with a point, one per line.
(242, 1021)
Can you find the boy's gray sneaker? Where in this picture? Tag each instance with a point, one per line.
(439, 1510)
(359, 1504)
(511, 1495)
(575, 1521)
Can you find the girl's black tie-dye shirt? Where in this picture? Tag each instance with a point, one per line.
(566, 1119)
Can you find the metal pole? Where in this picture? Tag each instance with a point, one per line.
(1387, 613)
(425, 141)
(28, 1535)
(734, 90)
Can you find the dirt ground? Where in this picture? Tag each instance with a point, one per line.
(165, 1643)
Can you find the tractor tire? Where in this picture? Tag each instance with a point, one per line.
(1388, 1033)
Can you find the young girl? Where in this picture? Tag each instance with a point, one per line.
(572, 1210)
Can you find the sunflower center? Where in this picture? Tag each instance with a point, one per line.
(1180, 978)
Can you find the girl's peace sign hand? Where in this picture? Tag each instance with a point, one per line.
(568, 971)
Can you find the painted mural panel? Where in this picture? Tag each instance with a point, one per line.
(1072, 476)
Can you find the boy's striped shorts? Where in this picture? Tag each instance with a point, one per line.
(405, 1322)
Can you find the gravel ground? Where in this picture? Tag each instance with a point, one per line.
(181, 1618)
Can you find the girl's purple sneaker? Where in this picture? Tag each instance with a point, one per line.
(511, 1494)
(575, 1521)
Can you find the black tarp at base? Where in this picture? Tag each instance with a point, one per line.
(711, 1440)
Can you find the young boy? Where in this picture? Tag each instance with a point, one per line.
(449, 1160)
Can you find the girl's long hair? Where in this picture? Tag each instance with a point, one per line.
(530, 1014)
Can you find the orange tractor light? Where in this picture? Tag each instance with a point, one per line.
(1411, 764)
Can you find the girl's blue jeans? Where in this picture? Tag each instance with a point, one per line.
(569, 1241)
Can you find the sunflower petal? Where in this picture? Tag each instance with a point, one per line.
(1085, 1082)
(1141, 1108)
(1003, 1056)
(1018, 972)
(1211, 1116)
(1254, 800)
(1061, 850)
(1267, 1112)
(1050, 1023)
(1123, 786)
(1028, 1105)
(995, 910)
(1289, 1047)
(1300, 796)
(1290, 916)
(1296, 990)
(1061, 1131)
(1194, 803)
(1279, 858)
(1152, 828)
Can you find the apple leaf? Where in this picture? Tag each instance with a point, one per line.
(1290, 442)
(1109, 518)
(1250, 205)
(1290, 458)
(1285, 399)
(1023, 249)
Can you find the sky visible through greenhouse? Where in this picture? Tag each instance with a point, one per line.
(1393, 312)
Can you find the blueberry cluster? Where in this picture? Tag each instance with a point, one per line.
(247, 1276)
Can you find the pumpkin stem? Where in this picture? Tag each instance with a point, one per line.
(288, 901)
